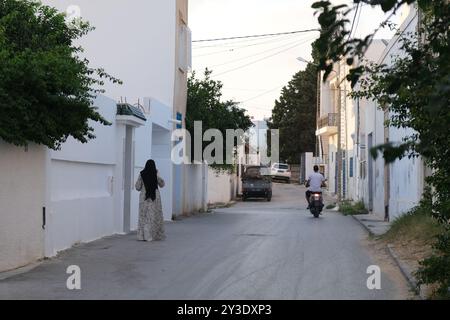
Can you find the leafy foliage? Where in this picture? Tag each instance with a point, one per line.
(46, 89)
(349, 208)
(204, 104)
(294, 115)
(415, 89)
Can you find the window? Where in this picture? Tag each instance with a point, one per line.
(179, 118)
(351, 167)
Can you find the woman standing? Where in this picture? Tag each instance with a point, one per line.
(151, 221)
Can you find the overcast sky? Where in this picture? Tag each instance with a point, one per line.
(254, 71)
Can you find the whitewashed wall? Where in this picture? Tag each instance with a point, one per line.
(195, 188)
(132, 40)
(220, 187)
(81, 177)
(82, 184)
(370, 122)
(406, 175)
(373, 119)
(22, 197)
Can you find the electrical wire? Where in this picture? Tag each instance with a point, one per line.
(242, 89)
(239, 42)
(244, 46)
(256, 36)
(354, 18)
(263, 94)
(253, 55)
(260, 108)
(261, 59)
(359, 16)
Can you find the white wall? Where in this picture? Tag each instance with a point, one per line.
(133, 41)
(406, 175)
(373, 122)
(220, 186)
(22, 198)
(81, 186)
(195, 188)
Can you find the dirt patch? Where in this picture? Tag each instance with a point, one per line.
(379, 253)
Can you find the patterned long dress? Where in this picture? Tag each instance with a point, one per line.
(151, 219)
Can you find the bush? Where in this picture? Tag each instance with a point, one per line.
(417, 224)
(46, 87)
(436, 269)
(348, 208)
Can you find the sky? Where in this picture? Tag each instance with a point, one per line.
(253, 71)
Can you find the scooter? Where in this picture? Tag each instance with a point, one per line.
(316, 203)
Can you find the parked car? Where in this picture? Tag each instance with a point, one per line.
(256, 183)
(280, 171)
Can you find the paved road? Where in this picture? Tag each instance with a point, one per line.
(253, 250)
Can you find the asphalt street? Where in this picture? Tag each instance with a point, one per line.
(252, 250)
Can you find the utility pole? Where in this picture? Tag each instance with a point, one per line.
(339, 146)
(318, 153)
(342, 133)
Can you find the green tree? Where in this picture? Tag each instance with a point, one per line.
(294, 115)
(46, 88)
(416, 91)
(204, 103)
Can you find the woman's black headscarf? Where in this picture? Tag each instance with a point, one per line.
(149, 176)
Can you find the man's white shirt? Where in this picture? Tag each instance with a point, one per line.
(315, 181)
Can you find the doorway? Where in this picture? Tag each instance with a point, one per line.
(128, 177)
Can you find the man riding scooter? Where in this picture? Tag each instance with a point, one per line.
(315, 183)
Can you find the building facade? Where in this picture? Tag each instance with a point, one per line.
(83, 192)
(348, 128)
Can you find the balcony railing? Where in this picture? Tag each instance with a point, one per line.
(330, 120)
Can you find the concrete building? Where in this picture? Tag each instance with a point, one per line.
(348, 129)
(369, 132)
(387, 190)
(405, 184)
(335, 118)
(51, 200)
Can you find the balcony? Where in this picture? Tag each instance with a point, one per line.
(328, 125)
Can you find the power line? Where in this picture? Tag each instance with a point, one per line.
(243, 89)
(241, 47)
(353, 22)
(257, 35)
(359, 16)
(261, 59)
(238, 42)
(266, 108)
(235, 44)
(263, 94)
(254, 55)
